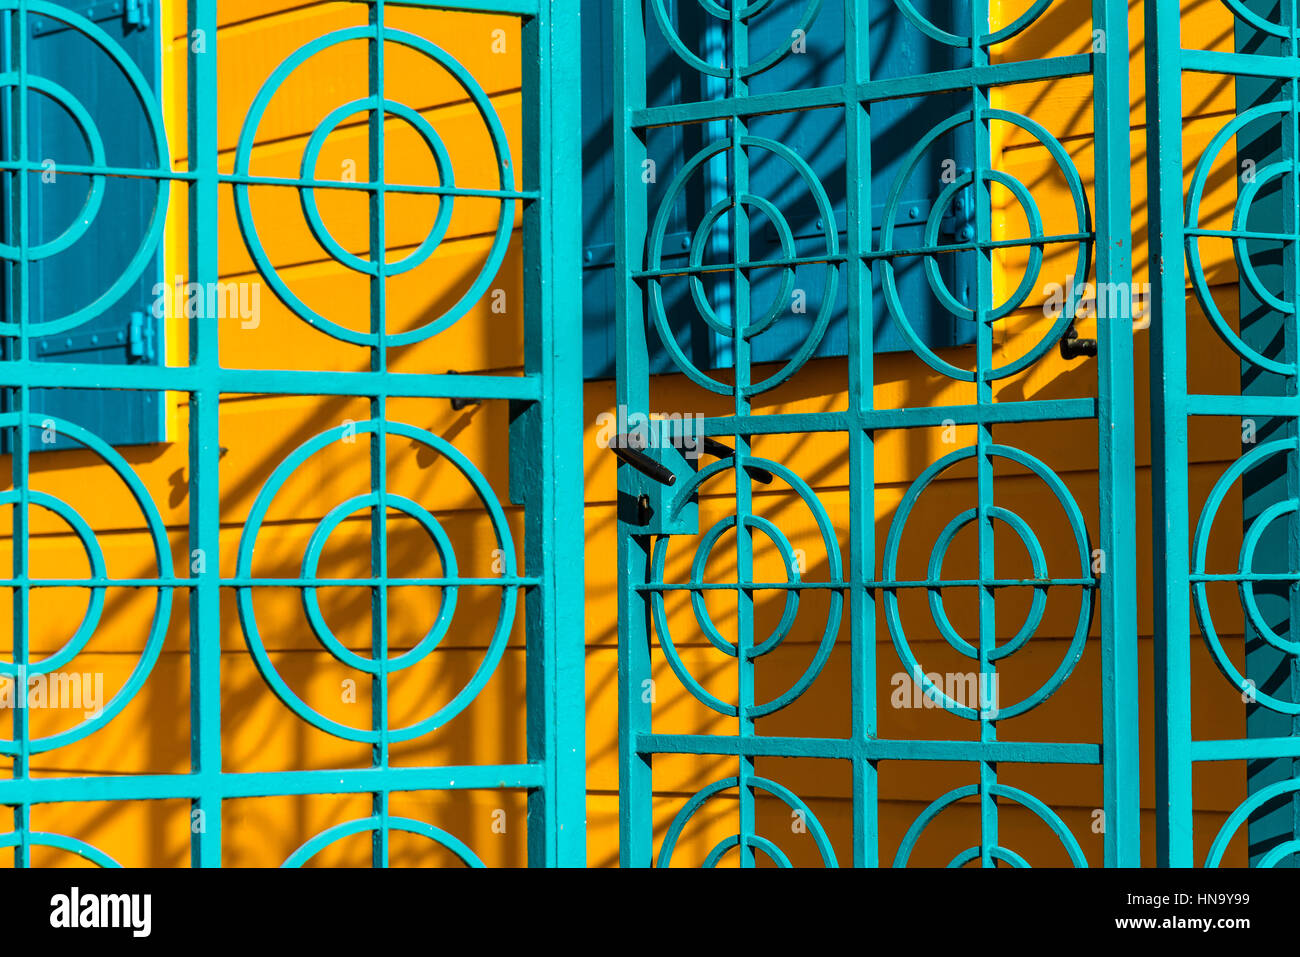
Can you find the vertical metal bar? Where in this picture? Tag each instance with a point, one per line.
(21, 456)
(1170, 534)
(862, 468)
(379, 417)
(983, 307)
(1115, 425)
(716, 190)
(554, 538)
(631, 205)
(744, 487)
(1290, 671)
(204, 442)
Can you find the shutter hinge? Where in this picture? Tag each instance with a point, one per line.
(140, 338)
(136, 13)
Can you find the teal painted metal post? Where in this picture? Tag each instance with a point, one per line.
(18, 228)
(861, 439)
(377, 201)
(635, 684)
(1169, 434)
(1117, 463)
(555, 540)
(204, 443)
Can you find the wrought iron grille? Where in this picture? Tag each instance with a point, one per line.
(663, 496)
(1236, 573)
(543, 393)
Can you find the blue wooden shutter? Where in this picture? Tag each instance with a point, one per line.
(898, 49)
(127, 331)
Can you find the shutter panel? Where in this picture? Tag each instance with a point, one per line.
(126, 331)
(817, 136)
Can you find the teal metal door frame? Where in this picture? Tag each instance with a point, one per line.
(657, 486)
(545, 449)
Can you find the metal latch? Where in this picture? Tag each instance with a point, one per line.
(1072, 347)
(661, 470)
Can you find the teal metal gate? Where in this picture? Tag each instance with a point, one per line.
(862, 245)
(544, 441)
(1257, 662)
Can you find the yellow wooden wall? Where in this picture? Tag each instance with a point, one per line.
(152, 735)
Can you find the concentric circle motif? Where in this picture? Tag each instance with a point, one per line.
(442, 162)
(95, 560)
(1277, 854)
(999, 853)
(94, 141)
(72, 845)
(441, 544)
(1246, 195)
(363, 825)
(708, 541)
(1245, 588)
(1041, 583)
(1002, 34)
(745, 327)
(931, 248)
(1243, 12)
(749, 13)
(755, 841)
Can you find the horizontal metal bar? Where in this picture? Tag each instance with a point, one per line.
(97, 582)
(1244, 64)
(1246, 749)
(947, 81)
(70, 375)
(1264, 406)
(976, 246)
(938, 584)
(873, 585)
(1240, 234)
(758, 104)
(776, 424)
(1038, 410)
(519, 8)
(147, 787)
(1245, 577)
(104, 582)
(501, 582)
(746, 267)
(875, 749)
(370, 187)
(742, 586)
(82, 169)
